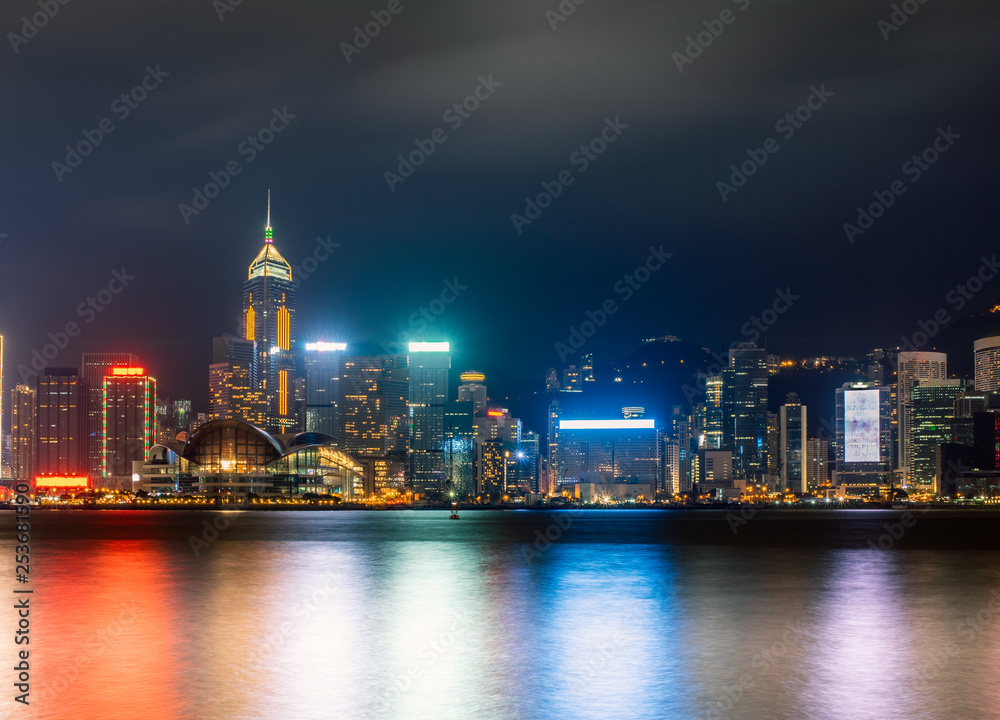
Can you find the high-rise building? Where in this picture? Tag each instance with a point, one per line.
(22, 430)
(491, 461)
(792, 446)
(713, 412)
(987, 360)
(233, 382)
(912, 367)
(718, 468)
(94, 368)
(269, 300)
(817, 463)
(551, 380)
(572, 380)
(671, 483)
(552, 446)
(864, 438)
(128, 419)
(322, 361)
(473, 390)
(429, 364)
(528, 462)
(745, 409)
(459, 434)
(933, 415)
(60, 435)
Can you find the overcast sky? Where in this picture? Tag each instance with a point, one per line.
(674, 120)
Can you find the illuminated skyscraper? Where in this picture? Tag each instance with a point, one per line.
(60, 448)
(473, 390)
(792, 445)
(933, 415)
(322, 385)
(233, 382)
(94, 367)
(745, 409)
(864, 438)
(459, 448)
(817, 462)
(129, 419)
(713, 412)
(269, 320)
(620, 448)
(912, 367)
(429, 364)
(987, 357)
(22, 430)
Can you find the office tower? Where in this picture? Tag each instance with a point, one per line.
(718, 469)
(94, 368)
(551, 380)
(619, 448)
(671, 483)
(713, 412)
(864, 438)
(572, 381)
(473, 390)
(129, 427)
(987, 360)
(587, 367)
(23, 423)
(269, 300)
(552, 446)
(60, 434)
(322, 362)
(491, 461)
(986, 440)
(429, 363)
(459, 448)
(933, 414)
(745, 409)
(528, 462)
(794, 455)
(679, 431)
(773, 364)
(911, 367)
(233, 382)
(878, 368)
(773, 441)
(817, 463)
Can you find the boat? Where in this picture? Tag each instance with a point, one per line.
(454, 512)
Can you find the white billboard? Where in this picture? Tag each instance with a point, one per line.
(861, 426)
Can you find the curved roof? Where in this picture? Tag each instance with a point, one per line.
(192, 449)
(270, 263)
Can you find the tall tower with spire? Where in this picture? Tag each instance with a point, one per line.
(269, 320)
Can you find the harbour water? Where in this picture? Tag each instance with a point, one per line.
(151, 615)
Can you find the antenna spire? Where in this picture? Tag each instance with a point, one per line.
(268, 233)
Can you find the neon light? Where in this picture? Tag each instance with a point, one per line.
(472, 376)
(494, 413)
(642, 424)
(68, 481)
(326, 346)
(283, 392)
(251, 321)
(429, 347)
(284, 328)
(128, 371)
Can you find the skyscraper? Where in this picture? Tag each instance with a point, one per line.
(817, 463)
(233, 382)
(269, 299)
(792, 446)
(933, 416)
(129, 419)
(94, 368)
(864, 438)
(322, 361)
(459, 436)
(60, 437)
(473, 389)
(22, 429)
(429, 363)
(911, 367)
(745, 409)
(987, 359)
(713, 412)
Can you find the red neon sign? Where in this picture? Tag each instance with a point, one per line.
(128, 371)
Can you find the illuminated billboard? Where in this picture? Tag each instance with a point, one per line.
(607, 424)
(429, 347)
(49, 481)
(326, 346)
(128, 371)
(861, 426)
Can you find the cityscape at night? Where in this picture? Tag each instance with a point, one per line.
(547, 359)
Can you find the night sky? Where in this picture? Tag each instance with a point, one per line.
(880, 95)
